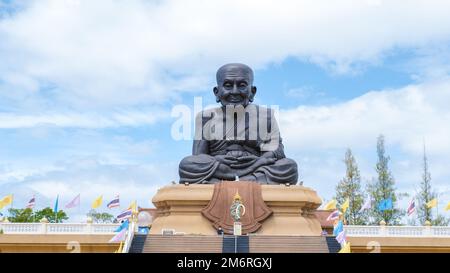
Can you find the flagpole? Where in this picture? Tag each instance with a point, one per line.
(32, 213)
(437, 206)
(12, 203)
(56, 209)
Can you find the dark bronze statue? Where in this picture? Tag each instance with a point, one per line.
(238, 141)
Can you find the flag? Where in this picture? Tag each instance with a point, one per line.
(346, 248)
(120, 250)
(133, 207)
(7, 200)
(125, 215)
(119, 237)
(123, 226)
(367, 205)
(55, 209)
(97, 202)
(338, 228)
(330, 205)
(385, 204)
(447, 208)
(345, 205)
(411, 207)
(342, 238)
(74, 203)
(334, 216)
(114, 203)
(31, 203)
(432, 203)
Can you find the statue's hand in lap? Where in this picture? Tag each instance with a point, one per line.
(251, 166)
(226, 159)
(245, 161)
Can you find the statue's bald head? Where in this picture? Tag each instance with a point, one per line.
(235, 85)
(237, 69)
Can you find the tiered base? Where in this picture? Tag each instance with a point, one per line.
(179, 208)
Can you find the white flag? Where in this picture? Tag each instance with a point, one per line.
(120, 237)
(367, 205)
(342, 238)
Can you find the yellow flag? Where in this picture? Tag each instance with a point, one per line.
(6, 201)
(447, 208)
(98, 202)
(345, 205)
(330, 205)
(133, 206)
(432, 203)
(120, 248)
(346, 248)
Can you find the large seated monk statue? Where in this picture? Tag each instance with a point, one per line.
(239, 140)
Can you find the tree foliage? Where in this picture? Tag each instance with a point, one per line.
(29, 216)
(425, 195)
(383, 187)
(99, 217)
(350, 187)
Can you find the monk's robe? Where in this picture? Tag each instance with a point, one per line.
(241, 139)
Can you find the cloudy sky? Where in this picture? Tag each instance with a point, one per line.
(87, 89)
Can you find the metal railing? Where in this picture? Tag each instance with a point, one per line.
(60, 228)
(130, 237)
(397, 231)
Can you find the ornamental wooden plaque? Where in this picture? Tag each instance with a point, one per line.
(218, 209)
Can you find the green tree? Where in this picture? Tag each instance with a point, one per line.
(50, 215)
(350, 187)
(99, 217)
(383, 188)
(28, 216)
(21, 215)
(425, 195)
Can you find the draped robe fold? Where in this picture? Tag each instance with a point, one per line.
(204, 168)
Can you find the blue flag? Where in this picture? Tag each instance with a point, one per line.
(123, 226)
(143, 230)
(338, 228)
(55, 210)
(385, 204)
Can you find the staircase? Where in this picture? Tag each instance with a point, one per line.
(226, 244)
(288, 244)
(137, 246)
(333, 245)
(235, 244)
(183, 244)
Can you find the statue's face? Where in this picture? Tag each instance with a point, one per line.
(235, 86)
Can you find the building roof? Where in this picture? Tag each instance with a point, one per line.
(322, 215)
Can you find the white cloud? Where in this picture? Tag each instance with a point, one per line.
(406, 116)
(131, 118)
(102, 53)
(91, 178)
(318, 136)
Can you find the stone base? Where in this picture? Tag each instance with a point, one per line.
(179, 208)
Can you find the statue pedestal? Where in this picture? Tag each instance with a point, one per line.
(179, 208)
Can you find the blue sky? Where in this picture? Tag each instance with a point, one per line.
(87, 89)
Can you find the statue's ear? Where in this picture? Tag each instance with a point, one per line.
(253, 93)
(216, 93)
